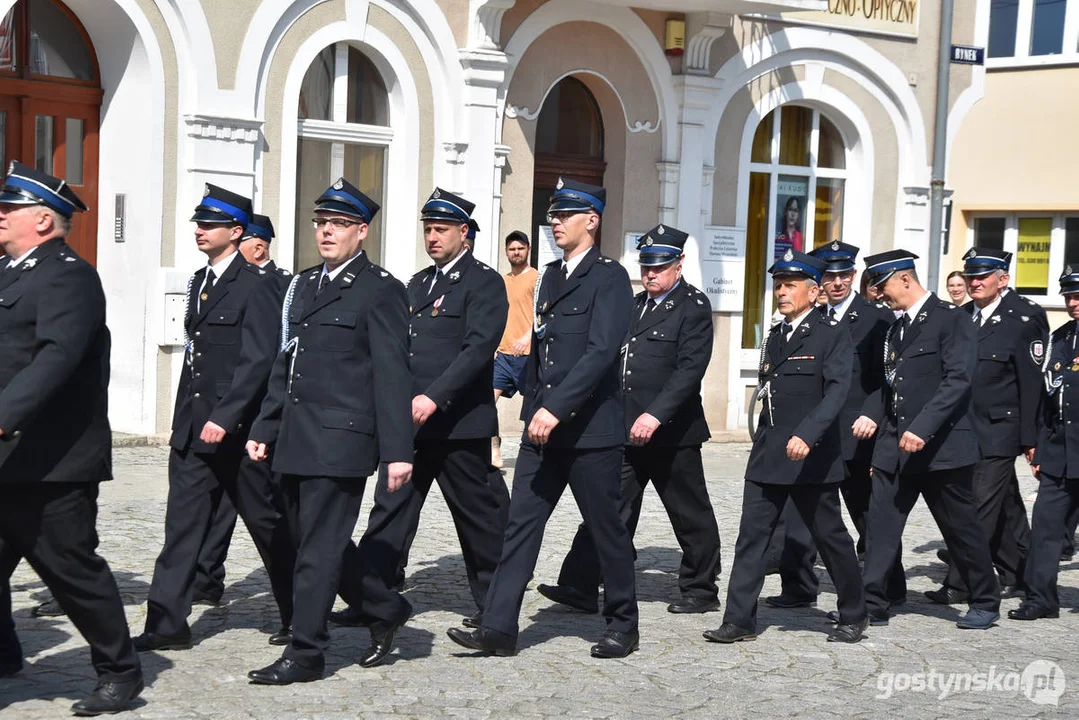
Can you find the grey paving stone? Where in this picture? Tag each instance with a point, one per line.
(789, 671)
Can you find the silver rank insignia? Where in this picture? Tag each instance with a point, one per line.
(383, 273)
(648, 241)
(788, 256)
(970, 254)
(455, 274)
(835, 244)
(1067, 269)
(206, 191)
(436, 194)
(559, 185)
(660, 230)
(1056, 365)
(339, 184)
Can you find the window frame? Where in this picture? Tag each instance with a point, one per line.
(339, 132)
(1024, 29)
(1052, 300)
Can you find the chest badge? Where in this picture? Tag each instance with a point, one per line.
(438, 303)
(1056, 365)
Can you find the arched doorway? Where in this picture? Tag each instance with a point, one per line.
(569, 143)
(50, 98)
(341, 137)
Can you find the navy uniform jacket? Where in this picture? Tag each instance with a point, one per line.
(663, 369)
(234, 337)
(1008, 382)
(284, 277)
(808, 382)
(339, 397)
(868, 323)
(573, 368)
(931, 393)
(454, 333)
(1058, 438)
(54, 370)
(1019, 307)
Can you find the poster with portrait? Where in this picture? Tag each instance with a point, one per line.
(791, 194)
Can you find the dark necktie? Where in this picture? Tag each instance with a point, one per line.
(434, 281)
(904, 328)
(831, 314)
(561, 280)
(207, 285)
(787, 329)
(978, 317)
(322, 283)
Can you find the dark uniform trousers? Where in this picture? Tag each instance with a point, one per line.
(52, 525)
(210, 570)
(807, 378)
(197, 482)
(576, 379)
(54, 376)
(461, 469)
(234, 334)
(1058, 499)
(677, 473)
(933, 363)
(540, 477)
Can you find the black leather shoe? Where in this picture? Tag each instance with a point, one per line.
(152, 641)
(1030, 611)
(284, 672)
(616, 644)
(49, 608)
(789, 601)
(1012, 591)
(849, 633)
(9, 668)
(944, 556)
(875, 619)
(484, 640)
(728, 633)
(1066, 556)
(977, 619)
(473, 621)
(351, 617)
(108, 697)
(694, 605)
(946, 596)
(566, 595)
(282, 637)
(381, 643)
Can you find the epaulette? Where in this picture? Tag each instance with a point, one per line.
(1031, 302)
(641, 295)
(254, 269)
(881, 305)
(484, 265)
(283, 272)
(1062, 330)
(377, 271)
(310, 269)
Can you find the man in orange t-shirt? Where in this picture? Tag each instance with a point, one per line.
(511, 358)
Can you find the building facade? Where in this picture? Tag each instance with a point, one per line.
(781, 123)
(1014, 160)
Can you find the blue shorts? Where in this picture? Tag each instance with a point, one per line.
(510, 373)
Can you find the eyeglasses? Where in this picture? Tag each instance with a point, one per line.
(561, 216)
(338, 223)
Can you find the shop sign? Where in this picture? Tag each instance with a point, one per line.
(887, 16)
(723, 267)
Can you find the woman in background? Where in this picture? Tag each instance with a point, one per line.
(957, 287)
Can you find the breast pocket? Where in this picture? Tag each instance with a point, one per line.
(800, 377)
(8, 302)
(337, 331)
(448, 322)
(221, 327)
(573, 317)
(659, 343)
(922, 358)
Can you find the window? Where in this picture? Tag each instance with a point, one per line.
(343, 132)
(1041, 244)
(797, 187)
(1032, 31)
(41, 38)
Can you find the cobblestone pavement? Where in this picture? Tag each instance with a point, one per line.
(789, 670)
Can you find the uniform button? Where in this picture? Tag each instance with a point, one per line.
(197, 395)
(629, 372)
(417, 314)
(350, 423)
(295, 400)
(549, 363)
(304, 325)
(902, 418)
(573, 414)
(633, 339)
(240, 426)
(17, 433)
(412, 354)
(198, 354)
(198, 375)
(298, 376)
(198, 333)
(900, 378)
(548, 386)
(302, 349)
